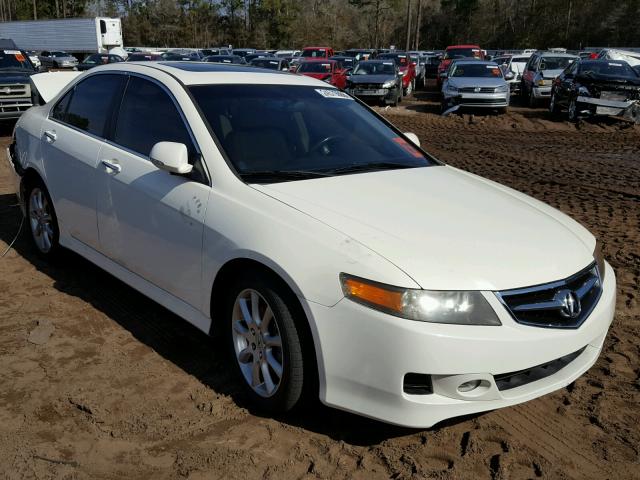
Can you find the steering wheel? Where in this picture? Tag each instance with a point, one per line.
(324, 143)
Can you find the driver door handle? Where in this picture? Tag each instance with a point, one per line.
(112, 165)
(51, 135)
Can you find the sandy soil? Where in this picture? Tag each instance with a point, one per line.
(96, 381)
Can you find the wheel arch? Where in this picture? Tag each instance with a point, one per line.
(239, 265)
(30, 176)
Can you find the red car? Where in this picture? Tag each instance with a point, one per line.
(407, 69)
(317, 52)
(458, 51)
(330, 71)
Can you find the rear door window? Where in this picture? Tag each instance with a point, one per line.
(89, 105)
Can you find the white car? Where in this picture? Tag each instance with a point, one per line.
(337, 258)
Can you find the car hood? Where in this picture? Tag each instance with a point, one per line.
(371, 78)
(462, 82)
(446, 229)
(14, 76)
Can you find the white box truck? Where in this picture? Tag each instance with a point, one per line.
(78, 36)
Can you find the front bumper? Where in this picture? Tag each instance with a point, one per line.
(380, 93)
(13, 109)
(364, 356)
(478, 100)
(629, 109)
(542, 92)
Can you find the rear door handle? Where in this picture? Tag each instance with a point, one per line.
(51, 135)
(112, 165)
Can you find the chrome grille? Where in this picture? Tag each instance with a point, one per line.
(473, 90)
(15, 90)
(563, 304)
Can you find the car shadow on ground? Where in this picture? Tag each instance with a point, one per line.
(175, 339)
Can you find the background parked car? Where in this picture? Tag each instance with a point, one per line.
(98, 59)
(453, 52)
(516, 65)
(406, 67)
(347, 62)
(182, 55)
(475, 83)
(243, 52)
(271, 63)
(252, 56)
(432, 61)
(326, 70)
(15, 82)
(58, 60)
(144, 57)
(317, 52)
(207, 52)
(597, 87)
(230, 59)
(539, 73)
(379, 80)
(419, 62)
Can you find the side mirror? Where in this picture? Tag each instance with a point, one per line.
(509, 76)
(413, 137)
(172, 157)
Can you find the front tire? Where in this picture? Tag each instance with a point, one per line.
(553, 105)
(42, 220)
(533, 102)
(264, 343)
(573, 110)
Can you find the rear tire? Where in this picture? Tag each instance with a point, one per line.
(42, 220)
(264, 342)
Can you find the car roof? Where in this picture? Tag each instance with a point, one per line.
(313, 48)
(199, 73)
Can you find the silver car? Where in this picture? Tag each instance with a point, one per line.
(58, 60)
(477, 84)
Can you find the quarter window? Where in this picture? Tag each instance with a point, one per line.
(90, 104)
(148, 116)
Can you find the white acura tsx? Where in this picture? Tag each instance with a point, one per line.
(337, 258)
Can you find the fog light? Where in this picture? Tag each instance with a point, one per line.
(469, 386)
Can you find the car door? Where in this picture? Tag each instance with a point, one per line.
(72, 137)
(529, 73)
(150, 221)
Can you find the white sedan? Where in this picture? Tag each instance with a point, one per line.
(338, 258)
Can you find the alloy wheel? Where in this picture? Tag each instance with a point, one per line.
(257, 343)
(41, 220)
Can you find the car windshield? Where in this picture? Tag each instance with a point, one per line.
(476, 70)
(375, 68)
(400, 60)
(273, 133)
(14, 59)
(318, 52)
(608, 69)
(314, 67)
(461, 53)
(555, 63)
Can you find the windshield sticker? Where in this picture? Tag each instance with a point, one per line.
(406, 147)
(12, 52)
(333, 93)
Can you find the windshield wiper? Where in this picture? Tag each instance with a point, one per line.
(276, 175)
(369, 167)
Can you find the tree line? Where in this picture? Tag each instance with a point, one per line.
(423, 24)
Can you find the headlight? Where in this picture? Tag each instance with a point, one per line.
(542, 82)
(390, 84)
(599, 258)
(502, 88)
(455, 307)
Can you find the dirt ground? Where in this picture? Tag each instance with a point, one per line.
(96, 381)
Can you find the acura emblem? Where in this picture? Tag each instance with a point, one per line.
(570, 303)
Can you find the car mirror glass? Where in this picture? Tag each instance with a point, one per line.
(413, 138)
